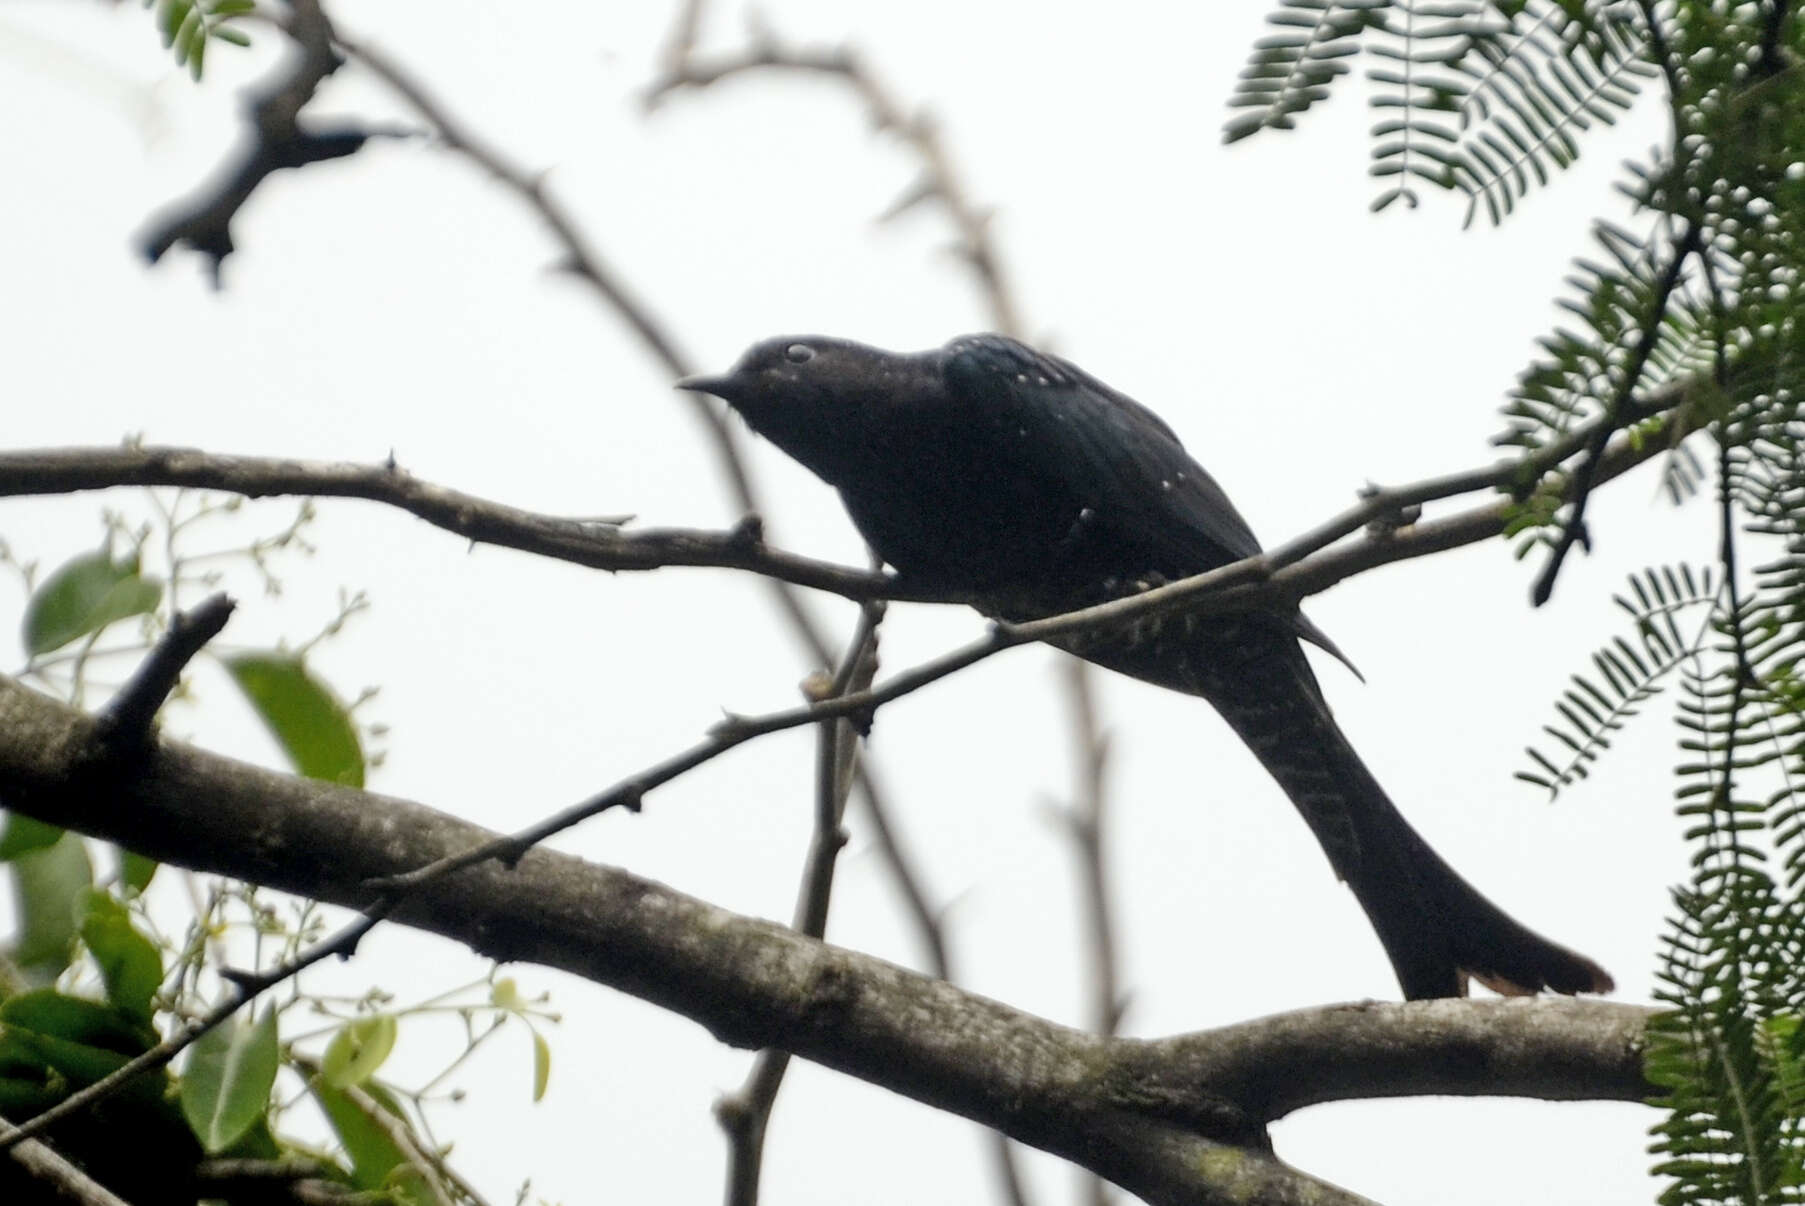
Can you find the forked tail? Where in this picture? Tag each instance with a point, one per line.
(1437, 928)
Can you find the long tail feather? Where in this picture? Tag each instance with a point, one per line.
(1437, 929)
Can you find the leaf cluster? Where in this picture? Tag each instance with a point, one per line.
(1486, 97)
(87, 982)
(188, 26)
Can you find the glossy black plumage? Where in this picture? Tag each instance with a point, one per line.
(995, 471)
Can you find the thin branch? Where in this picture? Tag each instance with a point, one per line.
(1085, 817)
(901, 865)
(630, 793)
(938, 180)
(597, 544)
(1585, 475)
(745, 1115)
(277, 139)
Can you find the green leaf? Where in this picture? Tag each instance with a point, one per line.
(227, 1080)
(135, 870)
(358, 1049)
(83, 596)
(236, 37)
(94, 1024)
(542, 1065)
(47, 885)
(80, 1063)
(313, 728)
(190, 31)
(377, 1161)
(170, 18)
(130, 964)
(24, 834)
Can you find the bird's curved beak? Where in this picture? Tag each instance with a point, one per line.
(702, 383)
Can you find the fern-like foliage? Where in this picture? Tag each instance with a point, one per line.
(1626, 673)
(1688, 321)
(1728, 1054)
(188, 26)
(1291, 70)
(1538, 76)
(1487, 97)
(1418, 93)
(1701, 310)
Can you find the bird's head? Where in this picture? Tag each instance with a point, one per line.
(812, 396)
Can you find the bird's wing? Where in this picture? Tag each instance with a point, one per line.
(1115, 455)
(1106, 449)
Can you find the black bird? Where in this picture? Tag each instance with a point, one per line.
(995, 472)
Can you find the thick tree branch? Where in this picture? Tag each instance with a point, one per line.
(1180, 1120)
(1551, 1048)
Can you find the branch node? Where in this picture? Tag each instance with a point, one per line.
(731, 725)
(748, 534)
(1387, 522)
(125, 723)
(244, 981)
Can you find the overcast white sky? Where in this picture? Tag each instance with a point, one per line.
(1301, 347)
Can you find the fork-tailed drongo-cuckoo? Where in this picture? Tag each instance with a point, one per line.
(999, 473)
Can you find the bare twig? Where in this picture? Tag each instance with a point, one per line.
(599, 545)
(1085, 817)
(938, 180)
(278, 139)
(746, 1114)
(127, 717)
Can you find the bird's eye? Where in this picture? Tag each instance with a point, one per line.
(799, 353)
